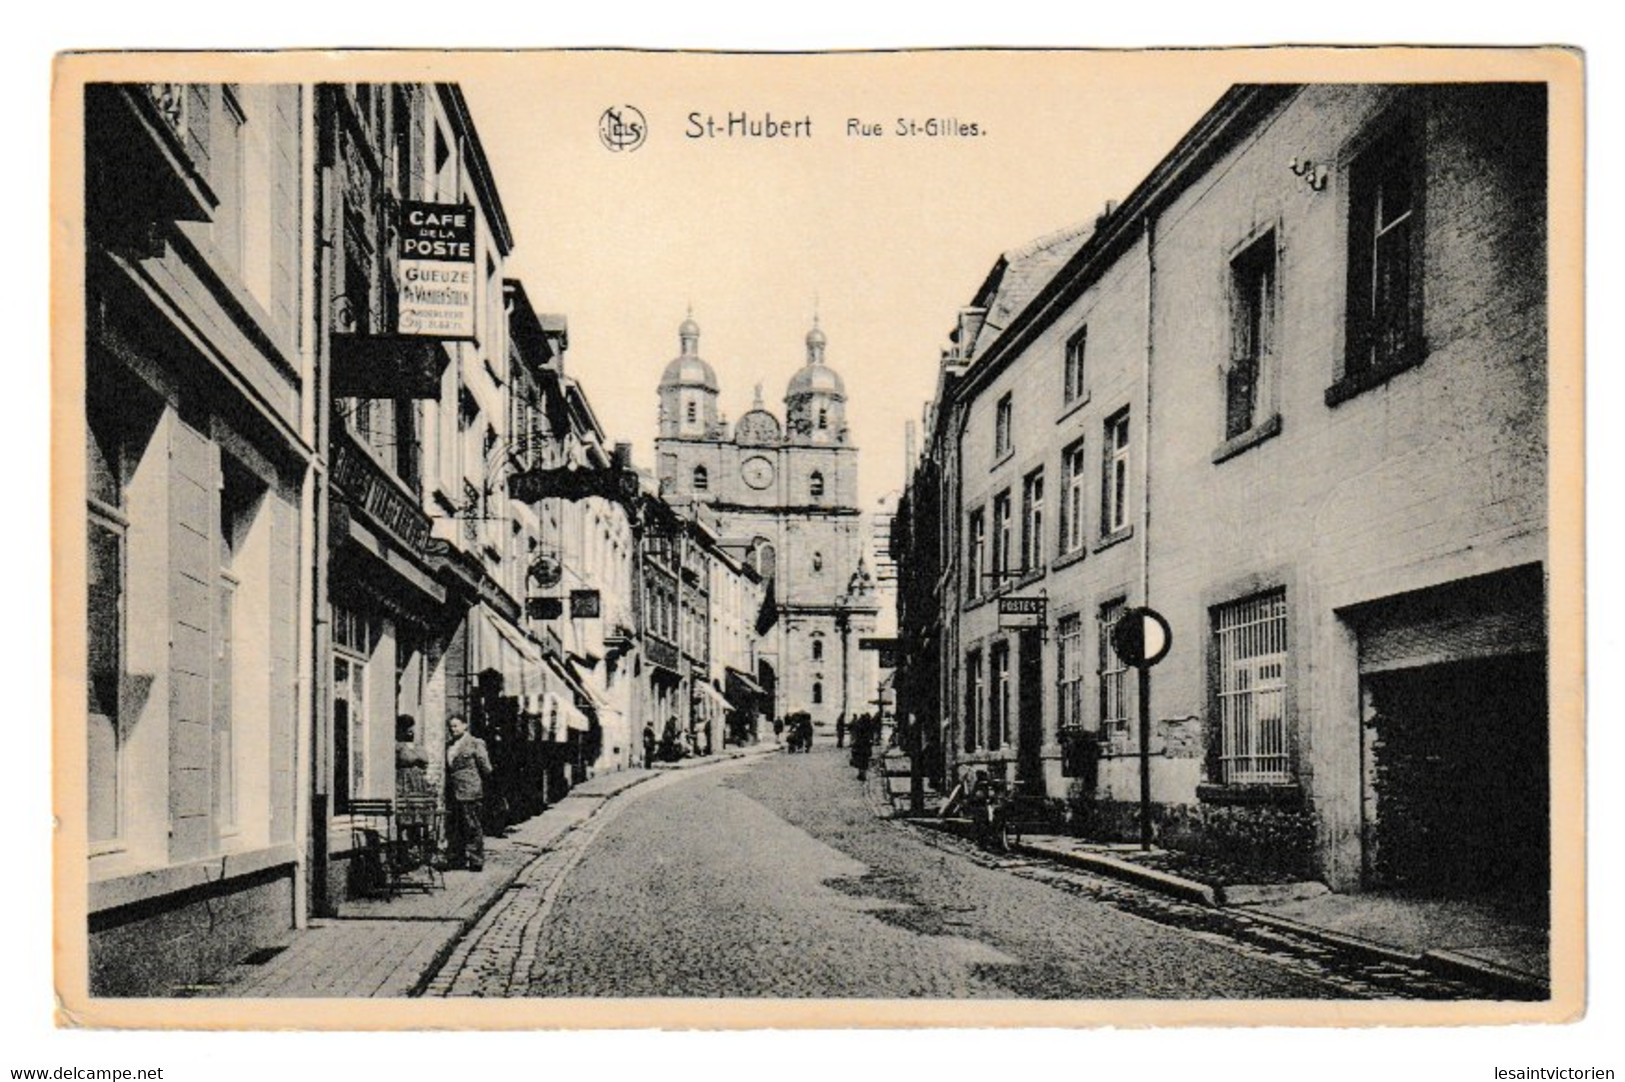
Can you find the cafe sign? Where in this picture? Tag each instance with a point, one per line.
(436, 270)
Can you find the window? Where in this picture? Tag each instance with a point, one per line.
(815, 485)
(1250, 641)
(702, 479)
(818, 563)
(691, 411)
(999, 701)
(1252, 335)
(1114, 491)
(973, 700)
(1001, 535)
(1113, 675)
(976, 553)
(1073, 474)
(1032, 520)
(1072, 380)
(1069, 636)
(818, 649)
(1384, 279)
(817, 692)
(352, 644)
(1001, 427)
(823, 418)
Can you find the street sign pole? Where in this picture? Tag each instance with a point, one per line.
(1142, 638)
(1145, 757)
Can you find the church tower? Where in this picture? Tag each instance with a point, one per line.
(815, 401)
(688, 389)
(785, 501)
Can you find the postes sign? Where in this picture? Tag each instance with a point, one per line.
(437, 270)
(1022, 611)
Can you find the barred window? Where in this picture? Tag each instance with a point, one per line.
(1070, 666)
(1250, 638)
(1113, 675)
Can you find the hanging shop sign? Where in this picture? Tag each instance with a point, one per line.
(544, 608)
(1022, 611)
(586, 604)
(547, 569)
(437, 270)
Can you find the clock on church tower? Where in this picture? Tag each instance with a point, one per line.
(757, 472)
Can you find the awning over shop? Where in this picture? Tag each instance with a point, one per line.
(741, 681)
(508, 651)
(570, 691)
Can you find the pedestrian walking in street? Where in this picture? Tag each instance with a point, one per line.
(840, 731)
(468, 768)
(650, 741)
(862, 746)
(670, 746)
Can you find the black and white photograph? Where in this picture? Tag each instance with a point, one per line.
(964, 538)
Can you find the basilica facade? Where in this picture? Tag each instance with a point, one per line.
(784, 497)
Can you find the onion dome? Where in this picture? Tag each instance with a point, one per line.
(688, 368)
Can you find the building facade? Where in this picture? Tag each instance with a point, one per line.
(1291, 394)
(784, 497)
(199, 505)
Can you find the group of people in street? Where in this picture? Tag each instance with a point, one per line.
(468, 772)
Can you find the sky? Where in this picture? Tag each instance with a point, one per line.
(885, 237)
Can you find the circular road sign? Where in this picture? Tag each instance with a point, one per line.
(1142, 637)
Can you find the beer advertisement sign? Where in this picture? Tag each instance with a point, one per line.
(437, 270)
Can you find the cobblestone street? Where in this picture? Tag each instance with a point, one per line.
(774, 877)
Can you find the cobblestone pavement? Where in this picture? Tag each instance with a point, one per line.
(776, 878)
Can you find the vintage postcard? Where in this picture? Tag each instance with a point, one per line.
(599, 539)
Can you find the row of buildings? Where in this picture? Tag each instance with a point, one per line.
(1291, 393)
(341, 486)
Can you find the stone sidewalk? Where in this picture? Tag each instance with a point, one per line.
(383, 947)
(1460, 939)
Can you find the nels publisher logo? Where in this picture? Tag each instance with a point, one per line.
(622, 128)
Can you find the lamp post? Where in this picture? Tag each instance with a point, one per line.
(843, 624)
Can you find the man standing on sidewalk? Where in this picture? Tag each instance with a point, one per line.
(649, 742)
(468, 765)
